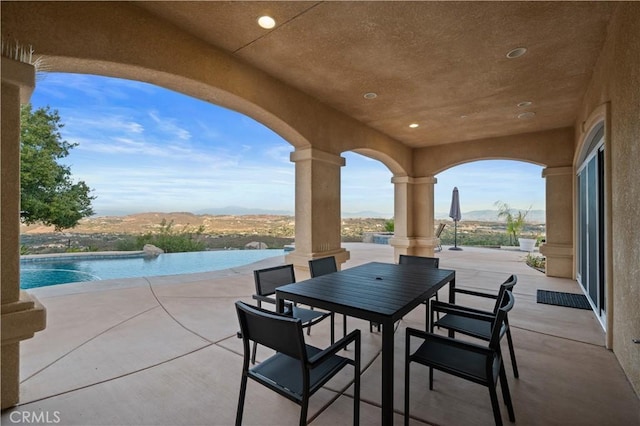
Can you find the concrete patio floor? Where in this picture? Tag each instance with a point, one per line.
(163, 351)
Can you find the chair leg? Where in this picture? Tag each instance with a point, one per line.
(506, 395)
(430, 378)
(512, 353)
(495, 404)
(357, 357)
(304, 406)
(243, 391)
(253, 355)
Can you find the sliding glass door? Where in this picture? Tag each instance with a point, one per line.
(591, 225)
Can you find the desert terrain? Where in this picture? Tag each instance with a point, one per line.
(233, 231)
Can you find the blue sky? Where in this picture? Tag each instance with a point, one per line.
(144, 148)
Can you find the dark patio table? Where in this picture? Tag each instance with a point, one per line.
(379, 292)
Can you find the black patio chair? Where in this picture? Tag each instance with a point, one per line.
(267, 280)
(297, 370)
(429, 262)
(323, 266)
(472, 327)
(479, 364)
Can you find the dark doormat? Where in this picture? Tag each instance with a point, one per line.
(570, 300)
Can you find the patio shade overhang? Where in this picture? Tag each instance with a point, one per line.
(441, 65)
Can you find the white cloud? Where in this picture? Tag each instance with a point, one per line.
(168, 125)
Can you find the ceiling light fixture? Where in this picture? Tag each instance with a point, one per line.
(526, 115)
(516, 53)
(414, 125)
(525, 104)
(266, 22)
(370, 95)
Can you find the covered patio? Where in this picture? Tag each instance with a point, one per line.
(163, 351)
(418, 86)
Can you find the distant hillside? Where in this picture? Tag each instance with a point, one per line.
(241, 211)
(534, 216)
(367, 214)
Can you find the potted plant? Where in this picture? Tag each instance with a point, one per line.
(515, 224)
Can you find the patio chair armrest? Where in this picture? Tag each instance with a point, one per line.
(266, 299)
(476, 293)
(327, 353)
(439, 306)
(288, 306)
(448, 341)
(462, 311)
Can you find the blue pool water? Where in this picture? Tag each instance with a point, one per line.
(41, 273)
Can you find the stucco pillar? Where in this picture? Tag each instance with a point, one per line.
(558, 248)
(21, 315)
(318, 217)
(413, 216)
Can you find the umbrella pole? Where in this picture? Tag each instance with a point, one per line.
(455, 237)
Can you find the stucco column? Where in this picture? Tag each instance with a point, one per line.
(558, 248)
(21, 315)
(413, 216)
(318, 217)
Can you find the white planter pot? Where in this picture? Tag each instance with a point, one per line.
(527, 244)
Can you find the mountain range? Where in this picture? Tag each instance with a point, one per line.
(534, 216)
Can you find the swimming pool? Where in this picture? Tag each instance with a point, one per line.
(58, 270)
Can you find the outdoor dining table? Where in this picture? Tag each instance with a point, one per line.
(377, 292)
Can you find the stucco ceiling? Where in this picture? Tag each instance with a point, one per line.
(442, 65)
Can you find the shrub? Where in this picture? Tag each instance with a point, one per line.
(168, 239)
(537, 262)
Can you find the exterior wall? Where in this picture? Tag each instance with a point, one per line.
(616, 80)
(21, 314)
(551, 148)
(558, 248)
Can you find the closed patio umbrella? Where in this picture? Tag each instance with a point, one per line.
(456, 215)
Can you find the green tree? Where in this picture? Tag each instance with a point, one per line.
(47, 192)
(515, 222)
(390, 225)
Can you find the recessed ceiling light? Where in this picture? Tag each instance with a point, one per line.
(516, 53)
(526, 115)
(525, 104)
(414, 125)
(370, 95)
(266, 22)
